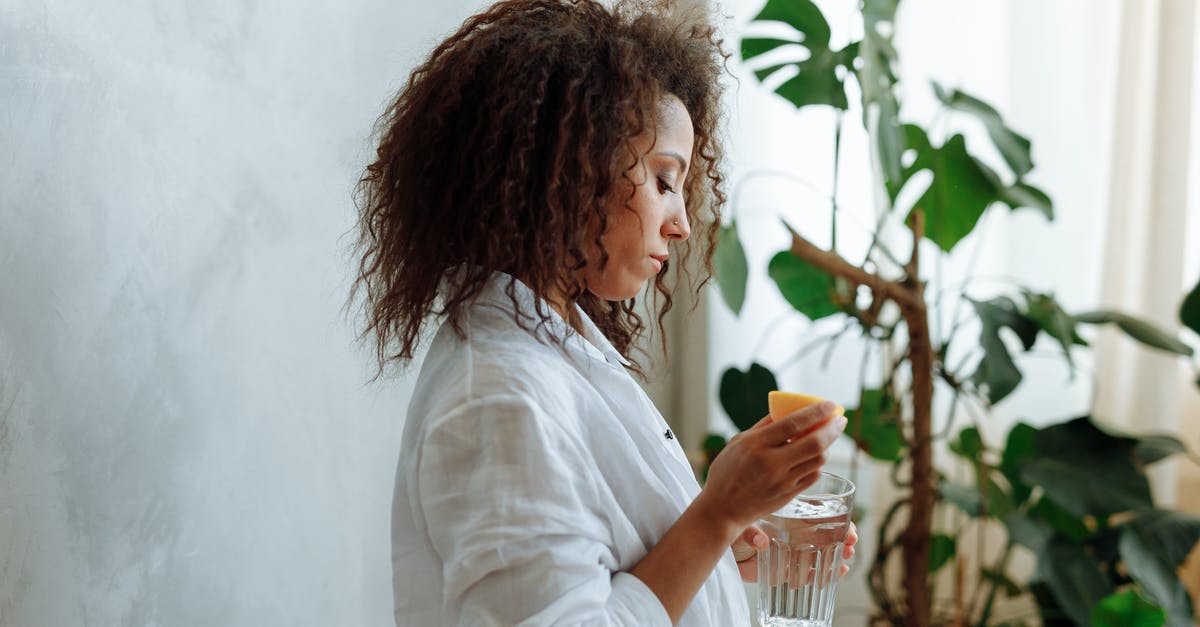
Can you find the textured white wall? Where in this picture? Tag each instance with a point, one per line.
(185, 434)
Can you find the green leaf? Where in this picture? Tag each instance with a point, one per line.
(1189, 310)
(1019, 446)
(1060, 520)
(999, 503)
(1032, 533)
(1002, 581)
(1045, 311)
(815, 84)
(755, 46)
(1074, 577)
(1022, 194)
(1173, 535)
(996, 371)
(1049, 609)
(817, 81)
(968, 445)
(731, 267)
(1003, 312)
(1086, 471)
(879, 11)
(744, 394)
(873, 427)
(802, 15)
(1013, 146)
(965, 497)
(992, 501)
(1153, 545)
(916, 141)
(1147, 449)
(1127, 609)
(712, 446)
(713, 443)
(1140, 330)
(877, 78)
(941, 549)
(1153, 448)
(808, 289)
(763, 73)
(960, 192)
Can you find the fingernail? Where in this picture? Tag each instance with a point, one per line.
(842, 422)
(760, 542)
(827, 407)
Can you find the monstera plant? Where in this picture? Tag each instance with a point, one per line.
(1075, 493)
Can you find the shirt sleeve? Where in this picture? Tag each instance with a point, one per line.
(512, 511)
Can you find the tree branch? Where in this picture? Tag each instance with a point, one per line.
(836, 265)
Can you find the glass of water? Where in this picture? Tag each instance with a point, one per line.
(799, 570)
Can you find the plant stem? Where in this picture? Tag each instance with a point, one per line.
(833, 194)
(909, 294)
(920, 522)
(991, 597)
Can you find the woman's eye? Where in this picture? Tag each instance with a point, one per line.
(664, 187)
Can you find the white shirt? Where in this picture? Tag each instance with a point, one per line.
(532, 477)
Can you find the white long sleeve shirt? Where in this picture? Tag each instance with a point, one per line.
(532, 477)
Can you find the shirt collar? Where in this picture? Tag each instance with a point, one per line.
(495, 293)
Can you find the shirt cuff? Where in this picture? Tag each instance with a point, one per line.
(636, 599)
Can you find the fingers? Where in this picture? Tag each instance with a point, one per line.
(753, 536)
(766, 420)
(815, 443)
(796, 423)
(749, 543)
(851, 541)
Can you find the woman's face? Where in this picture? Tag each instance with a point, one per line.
(640, 229)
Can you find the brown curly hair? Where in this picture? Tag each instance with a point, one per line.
(500, 153)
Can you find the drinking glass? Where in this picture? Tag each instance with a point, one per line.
(799, 570)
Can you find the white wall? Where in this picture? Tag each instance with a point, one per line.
(185, 434)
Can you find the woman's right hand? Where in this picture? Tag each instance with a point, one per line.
(761, 469)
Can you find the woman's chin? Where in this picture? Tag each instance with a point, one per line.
(626, 291)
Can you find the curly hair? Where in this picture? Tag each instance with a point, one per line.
(503, 149)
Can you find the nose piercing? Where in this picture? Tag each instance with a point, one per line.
(676, 222)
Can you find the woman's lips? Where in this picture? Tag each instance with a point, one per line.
(658, 262)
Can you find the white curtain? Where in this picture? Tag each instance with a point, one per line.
(1150, 199)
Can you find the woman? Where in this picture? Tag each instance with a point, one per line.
(542, 165)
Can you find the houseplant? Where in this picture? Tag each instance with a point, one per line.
(1074, 493)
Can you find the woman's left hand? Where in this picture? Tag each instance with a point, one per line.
(752, 540)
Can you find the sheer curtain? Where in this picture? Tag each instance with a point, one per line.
(1152, 248)
(1151, 200)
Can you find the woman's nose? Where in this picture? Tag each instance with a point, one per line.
(678, 227)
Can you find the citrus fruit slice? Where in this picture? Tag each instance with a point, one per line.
(781, 404)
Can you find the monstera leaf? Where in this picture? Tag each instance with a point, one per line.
(817, 80)
(961, 190)
(996, 371)
(1013, 146)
